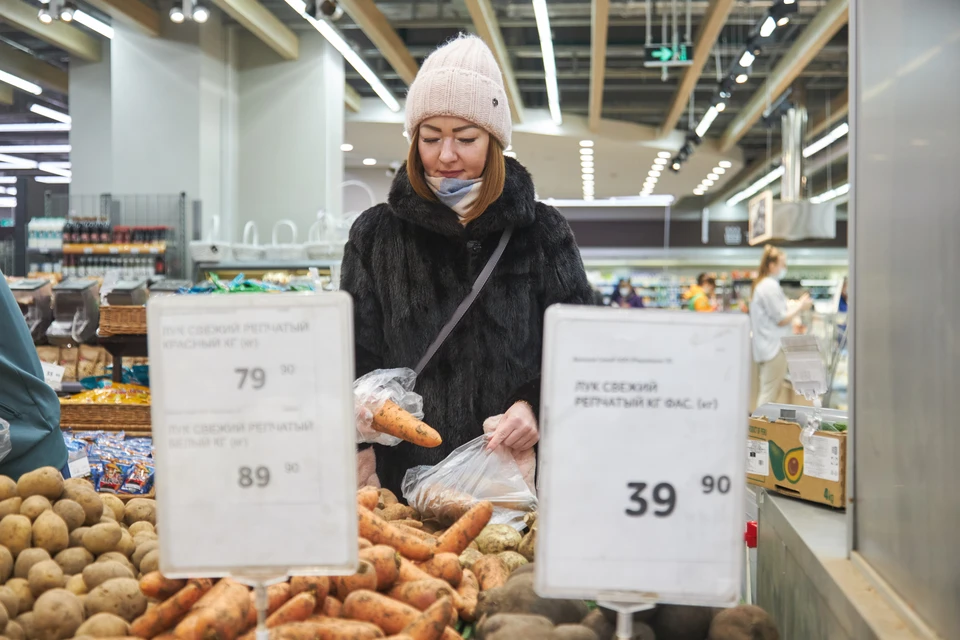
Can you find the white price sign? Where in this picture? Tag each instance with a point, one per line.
(254, 431)
(642, 477)
(53, 375)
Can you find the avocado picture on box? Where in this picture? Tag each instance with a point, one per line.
(778, 461)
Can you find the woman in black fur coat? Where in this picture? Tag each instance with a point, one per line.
(411, 261)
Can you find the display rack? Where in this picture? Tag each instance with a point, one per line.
(123, 346)
(259, 268)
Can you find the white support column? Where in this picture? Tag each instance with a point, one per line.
(91, 136)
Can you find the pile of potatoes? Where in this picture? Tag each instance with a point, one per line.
(70, 558)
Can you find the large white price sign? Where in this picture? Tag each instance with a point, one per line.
(642, 478)
(254, 431)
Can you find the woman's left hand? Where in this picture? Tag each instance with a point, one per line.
(517, 430)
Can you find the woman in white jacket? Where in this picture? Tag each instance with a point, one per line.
(772, 315)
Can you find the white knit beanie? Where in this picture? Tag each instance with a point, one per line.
(461, 79)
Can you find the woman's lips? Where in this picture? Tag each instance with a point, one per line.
(450, 174)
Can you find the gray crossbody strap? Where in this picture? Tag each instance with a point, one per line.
(467, 302)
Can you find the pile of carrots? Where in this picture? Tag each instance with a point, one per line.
(409, 586)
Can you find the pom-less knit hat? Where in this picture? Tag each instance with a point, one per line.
(461, 79)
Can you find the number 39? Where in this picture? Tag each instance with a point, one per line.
(664, 495)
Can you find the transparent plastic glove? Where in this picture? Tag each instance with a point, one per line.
(526, 460)
(371, 391)
(6, 444)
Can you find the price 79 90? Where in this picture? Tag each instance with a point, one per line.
(665, 496)
(255, 377)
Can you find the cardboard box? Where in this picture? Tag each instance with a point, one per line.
(778, 462)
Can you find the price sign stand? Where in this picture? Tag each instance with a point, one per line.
(254, 433)
(642, 476)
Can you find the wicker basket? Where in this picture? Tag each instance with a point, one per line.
(123, 320)
(109, 417)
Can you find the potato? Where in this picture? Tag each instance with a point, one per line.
(512, 559)
(76, 585)
(114, 505)
(119, 596)
(14, 631)
(45, 481)
(116, 556)
(683, 621)
(102, 538)
(4, 617)
(142, 551)
(57, 615)
(76, 536)
(498, 537)
(74, 560)
(71, 512)
(27, 624)
(510, 626)
(10, 601)
(6, 564)
(27, 559)
(744, 621)
(87, 498)
(82, 483)
(33, 506)
(398, 512)
(16, 531)
(140, 510)
(8, 488)
(104, 625)
(10, 505)
(44, 576)
(99, 572)
(387, 498)
(126, 546)
(468, 557)
(21, 588)
(144, 536)
(518, 596)
(142, 527)
(528, 545)
(150, 562)
(50, 532)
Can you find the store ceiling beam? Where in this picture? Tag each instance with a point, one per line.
(58, 33)
(376, 27)
(351, 98)
(485, 20)
(714, 20)
(261, 22)
(839, 108)
(831, 18)
(29, 68)
(599, 26)
(135, 13)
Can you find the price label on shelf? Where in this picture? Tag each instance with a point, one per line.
(642, 472)
(52, 374)
(254, 431)
(114, 250)
(88, 250)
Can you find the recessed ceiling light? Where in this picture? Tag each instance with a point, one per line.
(726, 164)
(369, 161)
(742, 78)
(698, 192)
(586, 152)
(660, 161)
(586, 143)
(346, 147)
(663, 154)
(708, 183)
(721, 106)
(782, 21)
(676, 166)
(719, 170)
(653, 174)
(585, 170)
(588, 198)
(713, 176)
(586, 164)
(588, 180)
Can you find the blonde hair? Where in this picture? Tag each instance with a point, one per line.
(771, 256)
(494, 176)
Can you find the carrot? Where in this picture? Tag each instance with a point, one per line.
(326, 630)
(319, 586)
(379, 531)
(431, 624)
(386, 562)
(491, 572)
(155, 585)
(409, 522)
(368, 497)
(364, 578)
(420, 533)
(388, 614)
(423, 593)
(410, 572)
(165, 636)
(458, 537)
(468, 592)
(364, 544)
(223, 618)
(219, 588)
(296, 609)
(169, 612)
(445, 566)
(332, 608)
(393, 420)
(277, 594)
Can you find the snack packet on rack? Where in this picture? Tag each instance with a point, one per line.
(139, 478)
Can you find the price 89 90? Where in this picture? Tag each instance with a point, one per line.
(664, 496)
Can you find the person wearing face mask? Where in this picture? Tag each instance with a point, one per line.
(771, 316)
(626, 296)
(456, 210)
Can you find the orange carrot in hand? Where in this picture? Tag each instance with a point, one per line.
(396, 421)
(458, 537)
(379, 531)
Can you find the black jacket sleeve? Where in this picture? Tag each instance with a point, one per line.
(564, 282)
(356, 279)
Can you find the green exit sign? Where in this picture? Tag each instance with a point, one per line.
(665, 55)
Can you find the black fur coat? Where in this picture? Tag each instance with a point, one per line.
(408, 265)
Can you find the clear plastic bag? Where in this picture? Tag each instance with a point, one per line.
(374, 389)
(6, 444)
(470, 474)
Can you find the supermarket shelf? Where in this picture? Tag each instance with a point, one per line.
(114, 249)
(123, 346)
(264, 265)
(54, 252)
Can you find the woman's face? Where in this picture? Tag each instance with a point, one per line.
(452, 147)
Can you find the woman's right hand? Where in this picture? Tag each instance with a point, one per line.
(806, 302)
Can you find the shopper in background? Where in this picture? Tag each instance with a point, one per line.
(699, 297)
(626, 296)
(411, 261)
(27, 402)
(771, 315)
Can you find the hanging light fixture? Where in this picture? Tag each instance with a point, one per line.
(176, 12)
(200, 13)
